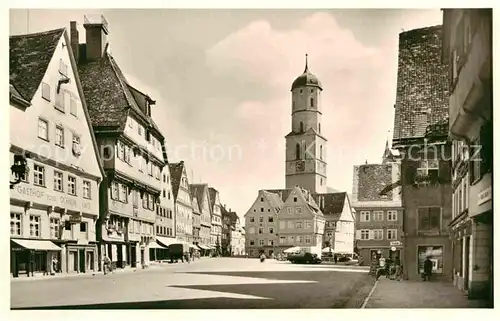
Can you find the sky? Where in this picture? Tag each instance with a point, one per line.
(221, 80)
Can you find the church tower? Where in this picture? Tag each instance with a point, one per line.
(305, 162)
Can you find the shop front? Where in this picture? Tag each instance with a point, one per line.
(392, 251)
(32, 257)
(80, 257)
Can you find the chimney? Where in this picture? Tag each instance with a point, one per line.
(75, 40)
(96, 31)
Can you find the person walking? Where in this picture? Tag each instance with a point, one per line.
(397, 266)
(335, 258)
(427, 269)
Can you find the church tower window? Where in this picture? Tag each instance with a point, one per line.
(301, 127)
(321, 152)
(297, 151)
(312, 102)
(319, 128)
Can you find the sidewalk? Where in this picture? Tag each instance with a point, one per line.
(417, 294)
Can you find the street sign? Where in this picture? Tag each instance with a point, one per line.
(394, 243)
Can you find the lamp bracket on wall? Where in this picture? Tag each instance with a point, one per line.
(62, 81)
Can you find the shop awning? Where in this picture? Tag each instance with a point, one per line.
(166, 241)
(203, 247)
(155, 245)
(37, 245)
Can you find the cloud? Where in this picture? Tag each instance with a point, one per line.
(352, 75)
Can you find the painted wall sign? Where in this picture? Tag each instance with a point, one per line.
(40, 195)
(484, 196)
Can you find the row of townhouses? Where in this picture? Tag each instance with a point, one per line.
(432, 194)
(90, 175)
(306, 213)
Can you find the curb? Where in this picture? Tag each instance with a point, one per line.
(369, 295)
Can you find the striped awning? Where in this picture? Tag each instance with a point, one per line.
(37, 245)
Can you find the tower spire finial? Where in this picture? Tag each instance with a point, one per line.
(306, 69)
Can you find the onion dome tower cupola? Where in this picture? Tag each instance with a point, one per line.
(306, 79)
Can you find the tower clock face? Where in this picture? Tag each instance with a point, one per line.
(300, 166)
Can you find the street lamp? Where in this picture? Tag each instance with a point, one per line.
(19, 168)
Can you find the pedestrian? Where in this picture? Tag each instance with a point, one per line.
(54, 265)
(397, 266)
(427, 269)
(106, 264)
(381, 266)
(335, 258)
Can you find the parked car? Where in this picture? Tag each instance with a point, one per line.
(304, 258)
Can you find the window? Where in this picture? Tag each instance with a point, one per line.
(271, 230)
(435, 253)
(58, 181)
(252, 242)
(71, 185)
(321, 152)
(261, 230)
(300, 239)
(291, 240)
(429, 218)
(312, 102)
(54, 228)
(86, 189)
(261, 219)
(378, 234)
(430, 169)
(262, 199)
(15, 224)
(297, 151)
(270, 242)
(34, 226)
(261, 242)
(123, 193)
(252, 219)
(282, 239)
(298, 210)
(392, 215)
(72, 106)
(114, 190)
(365, 234)
(295, 199)
(151, 204)
(307, 224)
(307, 239)
(43, 129)
(45, 91)
(378, 215)
(39, 175)
(319, 128)
(392, 234)
(59, 136)
(67, 225)
(298, 224)
(76, 145)
(364, 216)
(262, 209)
(270, 219)
(83, 227)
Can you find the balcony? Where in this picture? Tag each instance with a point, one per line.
(469, 100)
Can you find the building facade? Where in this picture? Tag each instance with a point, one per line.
(182, 201)
(164, 222)
(339, 222)
(420, 134)
(468, 48)
(305, 162)
(238, 239)
(54, 206)
(130, 145)
(301, 222)
(196, 218)
(215, 220)
(201, 193)
(262, 224)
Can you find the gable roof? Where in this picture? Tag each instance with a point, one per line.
(309, 200)
(422, 85)
(330, 203)
(274, 199)
(282, 193)
(212, 192)
(197, 191)
(109, 95)
(176, 170)
(30, 56)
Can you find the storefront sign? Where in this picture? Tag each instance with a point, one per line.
(484, 196)
(76, 218)
(394, 243)
(40, 195)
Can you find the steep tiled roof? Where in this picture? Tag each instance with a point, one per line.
(212, 192)
(108, 94)
(175, 176)
(283, 193)
(274, 199)
(372, 179)
(422, 84)
(29, 58)
(197, 191)
(330, 203)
